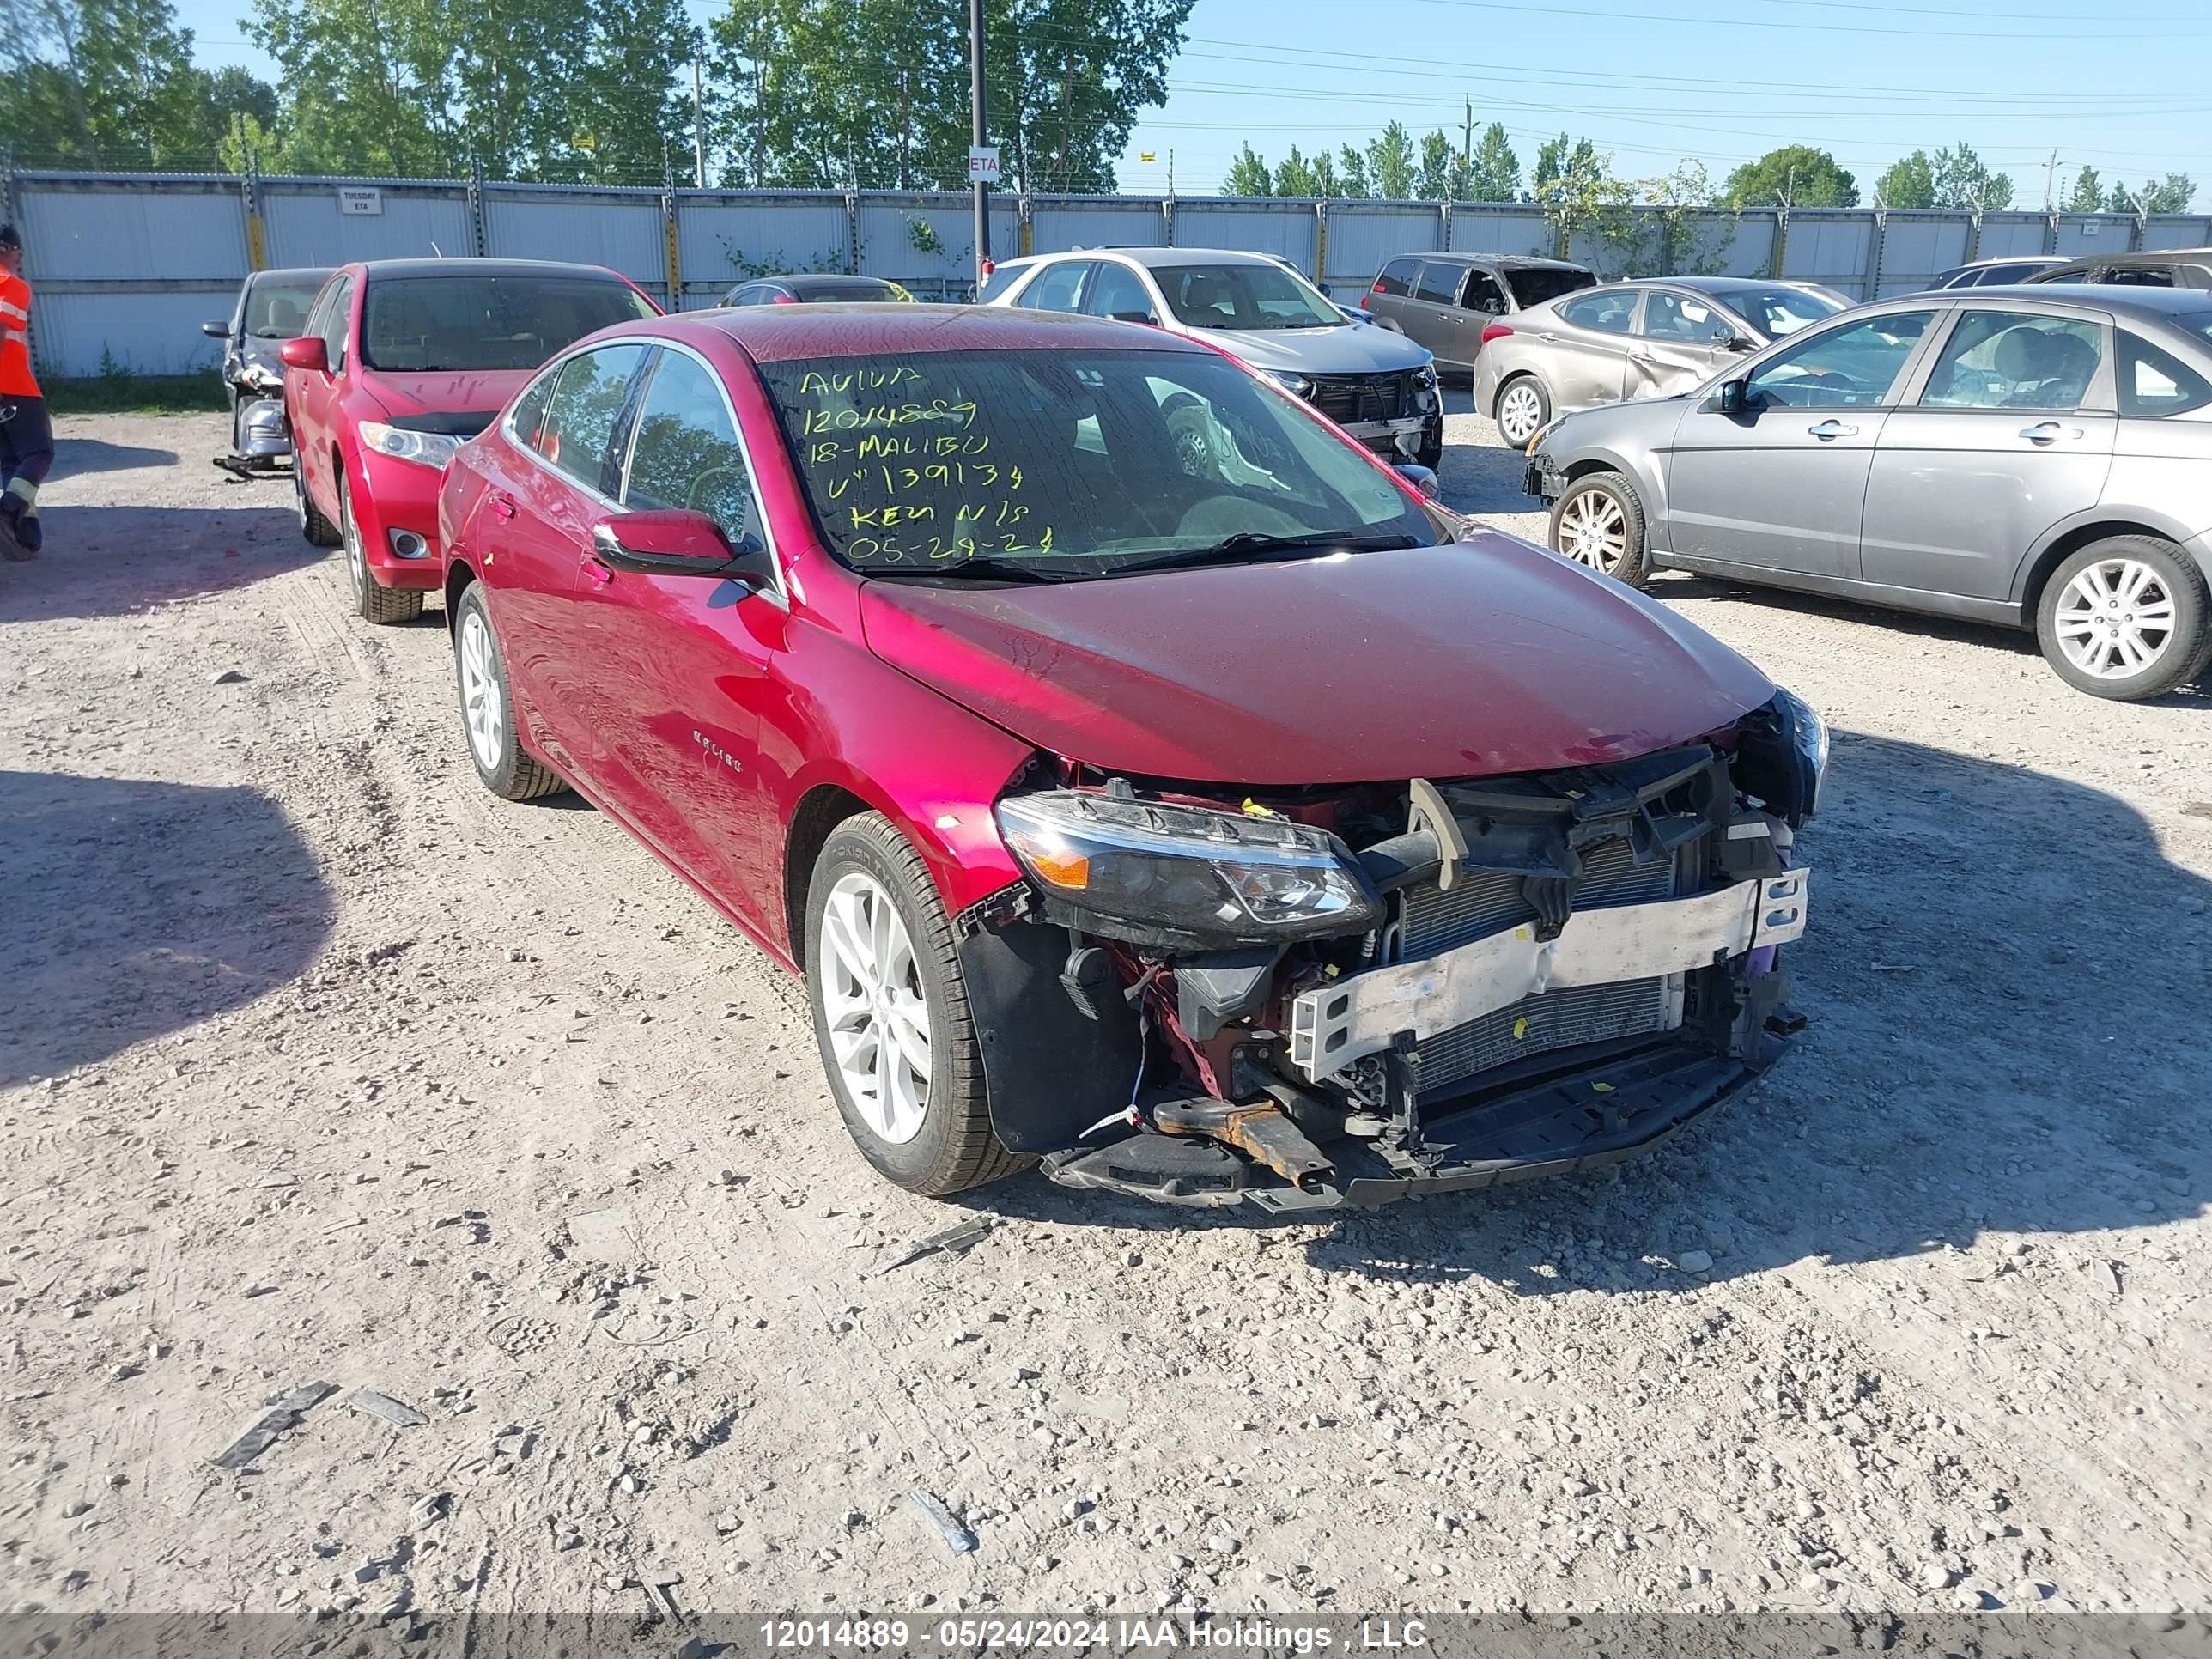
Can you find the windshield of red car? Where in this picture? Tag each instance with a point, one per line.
(1076, 463)
(421, 323)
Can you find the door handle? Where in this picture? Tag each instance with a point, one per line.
(2043, 432)
(1638, 357)
(1828, 430)
(598, 573)
(502, 505)
(1549, 339)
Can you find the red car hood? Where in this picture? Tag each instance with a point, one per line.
(1487, 656)
(448, 391)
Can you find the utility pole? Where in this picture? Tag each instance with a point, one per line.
(977, 132)
(698, 127)
(1467, 141)
(2050, 179)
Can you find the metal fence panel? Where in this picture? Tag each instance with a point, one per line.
(76, 333)
(926, 242)
(2007, 234)
(1362, 236)
(623, 230)
(1285, 229)
(1918, 247)
(419, 221)
(128, 230)
(1832, 249)
(1481, 229)
(2080, 236)
(2176, 233)
(1096, 221)
(723, 238)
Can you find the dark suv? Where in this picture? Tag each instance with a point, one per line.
(1444, 301)
(2171, 267)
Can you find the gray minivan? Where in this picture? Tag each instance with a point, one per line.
(1444, 301)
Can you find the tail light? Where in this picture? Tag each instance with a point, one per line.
(1495, 332)
(790, 299)
(1363, 302)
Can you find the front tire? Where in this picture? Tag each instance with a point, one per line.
(891, 1015)
(1599, 522)
(503, 766)
(372, 602)
(2125, 618)
(1524, 408)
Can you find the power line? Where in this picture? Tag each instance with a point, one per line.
(1741, 22)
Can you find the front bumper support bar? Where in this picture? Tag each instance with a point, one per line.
(1338, 1024)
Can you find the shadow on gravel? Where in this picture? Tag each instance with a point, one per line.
(77, 457)
(2009, 1035)
(1687, 592)
(119, 560)
(135, 908)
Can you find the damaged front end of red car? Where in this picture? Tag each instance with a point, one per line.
(1300, 999)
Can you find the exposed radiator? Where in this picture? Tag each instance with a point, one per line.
(1478, 905)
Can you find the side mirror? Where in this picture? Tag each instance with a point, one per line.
(1732, 396)
(678, 542)
(1421, 477)
(216, 330)
(307, 352)
(1144, 317)
(1739, 343)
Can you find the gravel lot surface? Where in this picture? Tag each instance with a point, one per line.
(321, 1066)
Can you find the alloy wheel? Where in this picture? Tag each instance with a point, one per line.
(1593, 531)
(875, 1008)
(356, 555)
(1520, 411)
(2115, 619)
(480, 698)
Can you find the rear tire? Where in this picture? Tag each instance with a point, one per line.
(883, 975)
(318, 531)
(1523, 409)
(372, 602)
(487, 727)
(1599, 522)
(2126, 618)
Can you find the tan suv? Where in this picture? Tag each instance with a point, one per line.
(1444, 301)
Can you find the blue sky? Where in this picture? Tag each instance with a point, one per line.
(1655, 81)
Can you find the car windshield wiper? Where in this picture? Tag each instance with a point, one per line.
(1249, 544)
(1012, 570)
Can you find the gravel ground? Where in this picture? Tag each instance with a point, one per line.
(318, 1065)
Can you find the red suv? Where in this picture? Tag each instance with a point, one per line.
(1147, 780)
(401, 360)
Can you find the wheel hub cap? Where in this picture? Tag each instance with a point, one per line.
(2115, 619)
(1593, 531)
(875, 1008)
(480, 692)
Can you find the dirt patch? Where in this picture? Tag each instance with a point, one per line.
(321, 1067)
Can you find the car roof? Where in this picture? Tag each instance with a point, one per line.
(1504, 261)
(2102, 296)
(773, 334)
(820, 279)
(2013, 259)
(290, 274)
(1152, 257)
(483, 268)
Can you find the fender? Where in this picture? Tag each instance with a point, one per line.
(2165, 524)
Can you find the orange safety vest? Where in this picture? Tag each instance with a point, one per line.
(16, 379)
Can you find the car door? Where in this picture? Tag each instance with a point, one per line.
(2010, 432)
(1481, 303)
(1431, 315)
(1782, 484)
(1586, 341)
(1386, 300)
(1680, 341)
(313, 395)
(537, 526)
(683, 668)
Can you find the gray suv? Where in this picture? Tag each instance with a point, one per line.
(2029, 456)
(1445, 300)
(1379, 388)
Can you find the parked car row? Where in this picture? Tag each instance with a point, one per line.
(1149, 781)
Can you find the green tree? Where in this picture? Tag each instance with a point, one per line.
(1433, 182)
(2088, 193)
(2172, 194)
(1294, 176)
(1806, 177)
(110, 83)
(1961, 181)
(1391, 163)
(629, 121)
(1249, 174)
(1910, 182)
(1352, 172)
(1560, 158)
(1579, 194)
(1495, 174)
(1325, 182)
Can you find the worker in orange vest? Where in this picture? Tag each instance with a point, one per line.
(26, 438)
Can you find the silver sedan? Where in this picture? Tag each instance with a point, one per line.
(2032, 457)
(1630, 340)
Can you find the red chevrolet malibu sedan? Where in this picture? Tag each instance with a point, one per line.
(1146, 780)
(401, 360)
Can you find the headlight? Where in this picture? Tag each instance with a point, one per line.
(1782, 756)
(430, 449)
(1296, 385)
(1427, 391)
(1153, 873)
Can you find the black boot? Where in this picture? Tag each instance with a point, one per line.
(12, 544)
